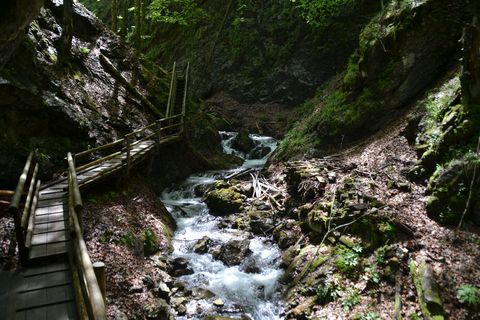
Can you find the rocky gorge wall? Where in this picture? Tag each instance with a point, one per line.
(57, 109)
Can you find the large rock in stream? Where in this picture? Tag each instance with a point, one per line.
(233, 252)
(222, 202)
(243, 142)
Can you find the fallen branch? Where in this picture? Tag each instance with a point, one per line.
(116, 74)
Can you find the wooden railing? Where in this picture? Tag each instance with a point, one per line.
(23, 219)
(89, 297)
(155, 131)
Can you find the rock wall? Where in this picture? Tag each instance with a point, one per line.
(15, 16)
(70, 108)
(261, 51)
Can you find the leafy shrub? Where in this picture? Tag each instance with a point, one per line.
(351, 299)
(149, 239)
(328, 291)
(347, 259)
(371, 274)
(469, 295)
(371, 315)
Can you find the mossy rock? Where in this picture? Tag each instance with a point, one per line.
(427, 291)
(316, 221)
(243, 142)
(448, 188)
(223, 202)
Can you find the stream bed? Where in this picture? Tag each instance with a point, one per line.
(233, 291)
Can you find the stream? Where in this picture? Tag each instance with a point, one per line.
(247, 295)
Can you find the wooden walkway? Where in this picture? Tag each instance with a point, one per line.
(52, 249)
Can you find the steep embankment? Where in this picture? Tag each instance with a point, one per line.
(59, 108)
(389, 153)
(260, 57)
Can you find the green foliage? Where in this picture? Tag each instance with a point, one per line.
(320, 13)
(414, 316)
(328, 290)
(179, 12)
(350, 299)
(347, 259)
(150, 242)
(469, 295)
(146, 242)
(380, 254)
(371, 274)
(371, 315)
(84, 51)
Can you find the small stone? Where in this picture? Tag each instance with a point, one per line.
(163, 291)
(135, 289)
(181, 310)
(218, 303)
(332, 177)
(148, 282)
(183, 272)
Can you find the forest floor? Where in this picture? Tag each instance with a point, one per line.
(377, 167)
(129, 229)
(8, 252)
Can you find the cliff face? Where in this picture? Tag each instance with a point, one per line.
(60, 109)
(15, 16)
(261, 51)
(402, 52)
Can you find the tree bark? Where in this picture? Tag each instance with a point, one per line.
(123, 28)
(138, 22)
(67, 30)
(114, 15)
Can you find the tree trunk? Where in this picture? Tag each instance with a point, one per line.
(114, 15)
(471, 60)
(123, 28)
(138, 22)
(142, 20)
(67, 30)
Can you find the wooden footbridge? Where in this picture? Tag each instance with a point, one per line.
(58, 280)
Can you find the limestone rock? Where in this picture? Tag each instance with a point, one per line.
(224, 201)
(233, 252)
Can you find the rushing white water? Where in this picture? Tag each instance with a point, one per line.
(254, 294)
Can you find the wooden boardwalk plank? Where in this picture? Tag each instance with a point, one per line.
(46, 291)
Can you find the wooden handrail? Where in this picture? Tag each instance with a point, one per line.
(172, 90)
(94, 298)
(184, 102)
(77, 198)
(15, 204)
(28, 201)
(99, 148)
(21, 184)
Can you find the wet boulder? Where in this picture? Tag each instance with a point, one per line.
(260, 222)
(222, 202)
(259, 152)
(242, 142)
(202, 245)
(159, 309)
(179, 267)
(233, 252)
(251, 266)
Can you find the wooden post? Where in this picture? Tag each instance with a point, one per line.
(99, 269)
(13, 209)
(172, 91)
